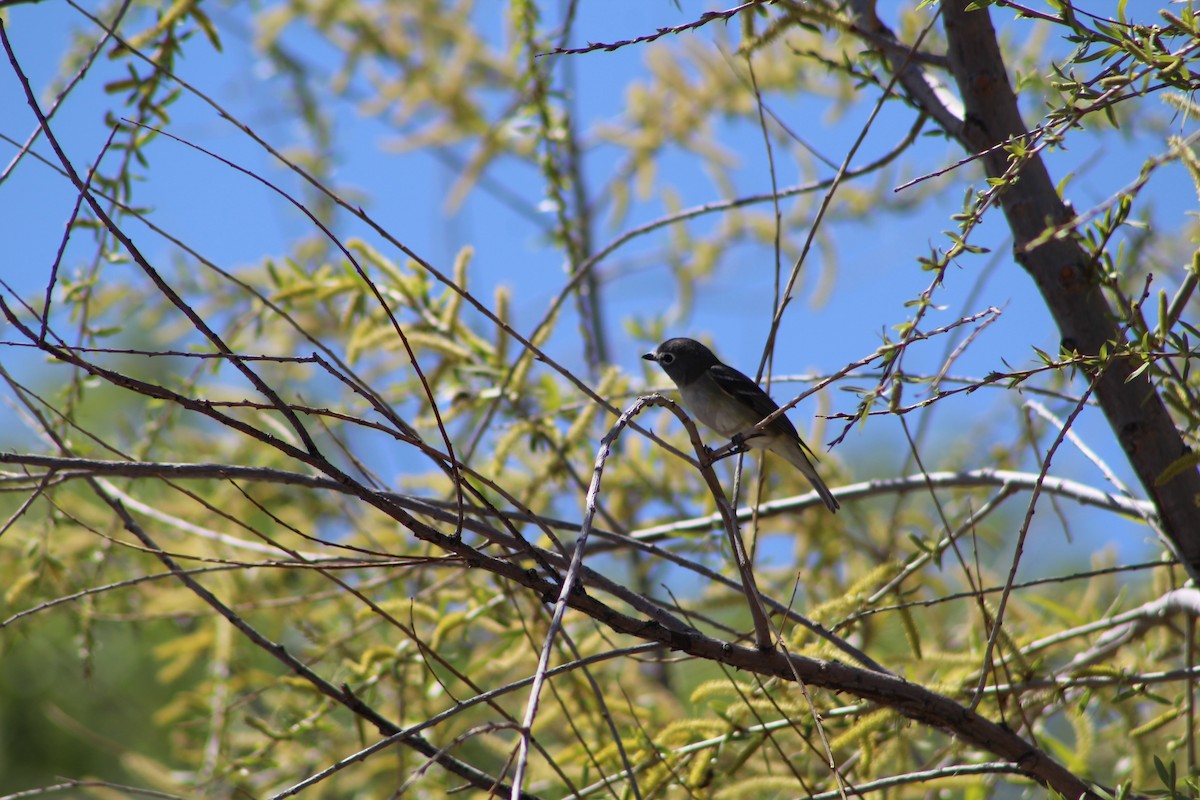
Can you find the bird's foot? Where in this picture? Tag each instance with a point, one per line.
(740, 444)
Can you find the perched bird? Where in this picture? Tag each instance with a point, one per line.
(729, 402)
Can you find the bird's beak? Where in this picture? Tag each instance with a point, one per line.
(650, 357)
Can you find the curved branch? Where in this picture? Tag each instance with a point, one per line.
(1120, 629)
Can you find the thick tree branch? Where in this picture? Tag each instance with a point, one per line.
(923, 89)
(1067, 276)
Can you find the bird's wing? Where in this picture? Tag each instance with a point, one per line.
(748, 393)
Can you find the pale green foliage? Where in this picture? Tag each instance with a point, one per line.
(338, 325)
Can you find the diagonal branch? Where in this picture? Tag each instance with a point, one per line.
(1067, 276)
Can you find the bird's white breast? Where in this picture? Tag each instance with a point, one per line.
(723, 417)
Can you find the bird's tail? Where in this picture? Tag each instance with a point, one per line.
(827, 496)
(793, 451)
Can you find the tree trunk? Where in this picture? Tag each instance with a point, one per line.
(1067, 278)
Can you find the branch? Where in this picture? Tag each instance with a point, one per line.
(704, 19)
(1123, 628)
(455, 710)
(909, 699)
(971, 479)
(1066, 275)
(59, 469)
(926, 92)
(343, 696)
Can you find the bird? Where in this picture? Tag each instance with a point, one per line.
(729, 402)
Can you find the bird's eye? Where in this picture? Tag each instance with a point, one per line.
(666, 358)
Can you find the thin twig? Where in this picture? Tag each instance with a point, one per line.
(704, 19)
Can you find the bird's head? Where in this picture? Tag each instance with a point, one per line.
(682, 359)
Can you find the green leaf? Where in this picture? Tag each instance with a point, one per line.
(210, 30)
(1177, 467)
(1167, 776)
(1133, 375)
